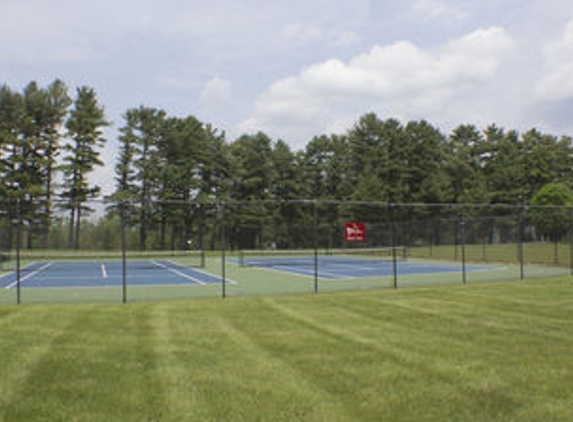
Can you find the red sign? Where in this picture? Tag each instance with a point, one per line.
(354, 232)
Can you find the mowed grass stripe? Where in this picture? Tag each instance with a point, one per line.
(100, 363)
(455, 345)
(299, 395)
(23, 348)
(478, 352)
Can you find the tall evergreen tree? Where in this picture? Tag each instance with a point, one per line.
(425, 157)
(464, 165)
(182, 150)
(503, 166)
(12, 160)
(57, 103)
(252, 180)
(381, 146)
(139, 168)
(12, 148)
(85, 129)
(46, 109)
(325, 168)
(546, 159)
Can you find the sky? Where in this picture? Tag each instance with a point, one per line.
(299, 68)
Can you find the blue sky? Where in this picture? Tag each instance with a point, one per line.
(303, 67)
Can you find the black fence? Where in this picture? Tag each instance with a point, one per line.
(102, 251)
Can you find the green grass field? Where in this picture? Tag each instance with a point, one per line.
(482, 352)
(538, 253)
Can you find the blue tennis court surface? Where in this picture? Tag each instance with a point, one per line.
(334, 268)
(105, 273)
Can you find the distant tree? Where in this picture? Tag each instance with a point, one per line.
(12, 147)
(57, 103)
(383, 147)
(252, 177)
(12, 159)
(325, 173)
(45, 113)
(286, 184)
(139, 169)
(84, 125)
(213, 168)
(286, 181)
(464, 165)
(550, 213)
(126, 178)
(425, 156)
(503, 163)
(324, 167)
(183, 148)
(214, 173)
(546, 159)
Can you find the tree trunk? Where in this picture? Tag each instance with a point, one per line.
(78, 219)
(71, 228)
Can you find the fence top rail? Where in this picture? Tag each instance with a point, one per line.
(107, 201)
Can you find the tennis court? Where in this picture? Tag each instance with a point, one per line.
(94, 276)
(45, 274)
(348, 264)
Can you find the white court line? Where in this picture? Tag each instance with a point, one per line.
(310, 271)
(198, 270)
(103, 271)
(32, 274)
(179, 273)
(307, 273)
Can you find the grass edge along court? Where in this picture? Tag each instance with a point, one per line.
(482, 352)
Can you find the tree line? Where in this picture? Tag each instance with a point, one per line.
(166, 161)
(45, 133)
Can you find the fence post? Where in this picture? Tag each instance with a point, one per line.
(123, 252)
(463, 245)
(223, 251)
(393, 240)
(18, 246)
(316, 241)
(521, 257)
(571, 240)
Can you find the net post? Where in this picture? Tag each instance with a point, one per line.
(203, 258)
(223, 250)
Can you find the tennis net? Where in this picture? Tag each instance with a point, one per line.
(307, 257)
(72, 260)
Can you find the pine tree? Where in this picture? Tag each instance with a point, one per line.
(45, 113)
(85, 129)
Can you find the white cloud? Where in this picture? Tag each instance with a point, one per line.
(401, 78)
(305, 34)
(216, 92)
(478, 54)
(302, 33)
(433, 9)
(557, 83)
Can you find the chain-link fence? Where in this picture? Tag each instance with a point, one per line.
(119, 251)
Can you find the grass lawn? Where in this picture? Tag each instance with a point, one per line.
(483, 352)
